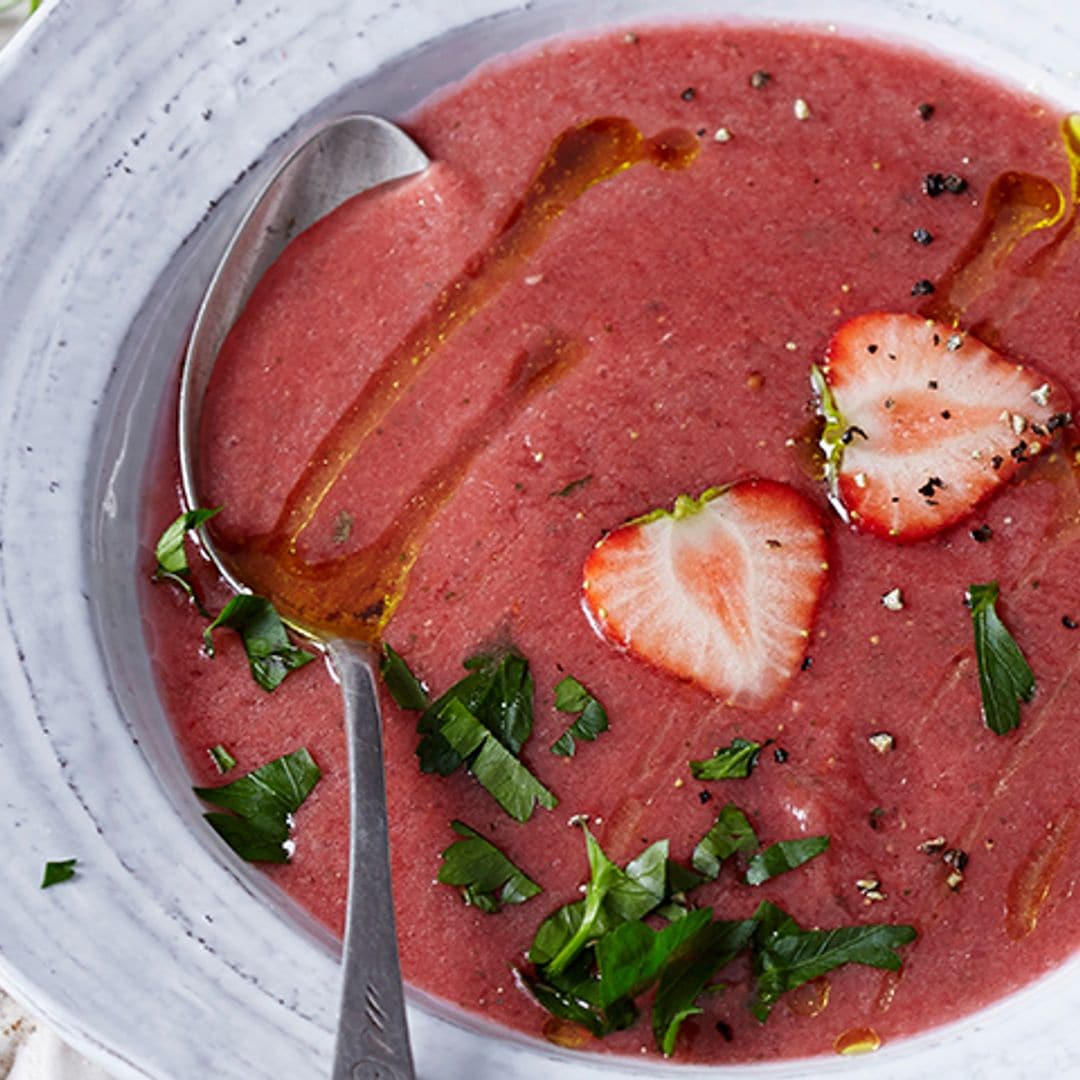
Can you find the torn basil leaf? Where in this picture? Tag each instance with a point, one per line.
(572, 697)
(498, 692)
(1005, 678)
(501, 774)
(261, 806)
(688, 972)
(222, 758)
(731, 833)
(734, 762)
(486, 877)
(783, 856)
(405, 688)
(270, 653)
(56, 872)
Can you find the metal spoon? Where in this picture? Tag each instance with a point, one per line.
(338, 160)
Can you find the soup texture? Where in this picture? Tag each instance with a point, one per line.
(608, 291)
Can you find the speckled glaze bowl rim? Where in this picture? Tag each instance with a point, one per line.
(130, 135)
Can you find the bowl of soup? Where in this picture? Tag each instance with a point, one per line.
(640, 232)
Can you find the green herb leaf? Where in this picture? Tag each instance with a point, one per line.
(222, 758)
(512, 786)
(171, 555)
(261, 804)
(688, 971)
(55, 872)
(788, 956)
(486, 877)
(783, 856)
(405, 688)
(498, 691)
(1005, 679)
(731, 833)
(574, 997)
(734, 762)
(572, 697)
(269, 651)
(629, 958)
(574, 485)
(612, 897)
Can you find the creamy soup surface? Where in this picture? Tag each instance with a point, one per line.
(560, 370)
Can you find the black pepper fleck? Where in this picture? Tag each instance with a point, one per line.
(946, 415)
(688, 94)
(725, 1030)
(925, 110)
(760, 79)
(935, 184)
(932, 484)
(780, 755)
(807, 664)
(997, 461)
(981, 534)
(704, 796)
(871, 349)
(1069, 622)
(922, 287)
(922, 236)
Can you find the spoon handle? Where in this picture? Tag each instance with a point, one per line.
(373, 1037)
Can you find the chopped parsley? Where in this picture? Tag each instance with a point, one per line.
(481, 722)
(171, 554)
(688, 972)
(405, 688)
(783, 856)
(270, 653)
(613, 896)
(731, 833)
(1005, 679)
(572, 697)
(222, 758)
(574, 485)
(55, 872)
(785, 956)
(500, 774)
(594, 957)
(487, 878)
(734, 762)
(261, 806)
(498, 691)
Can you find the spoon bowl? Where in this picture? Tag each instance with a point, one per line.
(338, 160)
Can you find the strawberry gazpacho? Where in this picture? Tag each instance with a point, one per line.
(694, 440)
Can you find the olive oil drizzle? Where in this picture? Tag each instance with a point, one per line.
(355, 594)
(578, 159)
(1016, 205)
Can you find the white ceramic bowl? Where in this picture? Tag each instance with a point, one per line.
(131, 134)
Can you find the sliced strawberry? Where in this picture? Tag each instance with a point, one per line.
(923, 422)
(721, 591)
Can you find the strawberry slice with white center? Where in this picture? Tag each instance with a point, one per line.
(923, 422)
(721, 591)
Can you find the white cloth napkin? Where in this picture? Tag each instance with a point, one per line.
(30, 1051)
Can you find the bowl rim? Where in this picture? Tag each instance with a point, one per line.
(89, 255)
